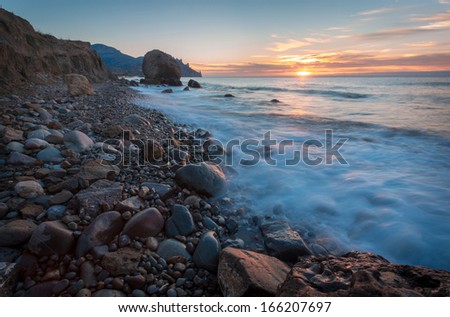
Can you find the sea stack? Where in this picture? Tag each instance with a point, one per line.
(160, 68)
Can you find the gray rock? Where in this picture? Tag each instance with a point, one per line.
(206, 254)
(209, 223)
(34, 144)
(77, 141)
(282, 242)
(144, 224)
(16, 158)
(38, 134)
(55, 137)
(171, 247)
(130, 204)
(93, 170)
(180, 223)
(10, 134)
(50, 155)
(163, 190)
(247, 273)
(16, 232)
(56, 212)
(29, 189)
(15, 147)
(135, 119)
(204, 178)
(51, 237)
(60, 198)
(100, 232)
(102, 192)
(87, 274)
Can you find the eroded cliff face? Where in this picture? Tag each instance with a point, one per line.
(27, 56)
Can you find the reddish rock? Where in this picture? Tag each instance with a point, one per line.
(362, 274)
(247, 273)
(51, 237)
(16, 232)
(144, 224)
(121, 262)
(96, 169)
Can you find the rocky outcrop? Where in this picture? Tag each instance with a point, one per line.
(247, 273)
(29, 56)
(160, 68)
(362, 274)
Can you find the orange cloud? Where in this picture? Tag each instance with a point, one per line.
(287, 45)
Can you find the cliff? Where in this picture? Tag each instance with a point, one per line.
(27, 56)
(123, 64)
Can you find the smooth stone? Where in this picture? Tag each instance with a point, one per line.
(210, 224)
(77, 141)
(15, 147)
(204, 178)
(135, 119)
(50, 155)
(134, 203)
(56, 212)
(16, 232)
(87, 274)
(16, 158)
(34, 144)
(144, 224)
(206, 254)
(32, 210)
(171, 247)
(60, 198)
(51, 237)
(100, 232)
(29, 189)
(38, 134)
(180, 223)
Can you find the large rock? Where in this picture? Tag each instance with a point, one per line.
(247, 273)
(78, 85)
(16, 158)
(171, 247)
(11, 134)
(94, 169)
(206, 254)
(29, 189)
(180, 223)
(194, 84)
(362, 274)
(161, 68)
(144, 224)
(16, 232)
(204, 178)
(102, 192)
(121, 262)
(77, 141)
(51, 237)
(29, 56)
(100, 232)
(282, 242)
(50, 155)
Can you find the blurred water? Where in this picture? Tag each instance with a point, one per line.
(392, 198)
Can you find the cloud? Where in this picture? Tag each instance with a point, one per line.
(440, 16)
(287, 45)
(375, 11)
(444, 1)
(316, 40)
(421, 44)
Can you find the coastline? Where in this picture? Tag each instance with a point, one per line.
(101, 117)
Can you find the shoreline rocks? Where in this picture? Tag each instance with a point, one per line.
(160, 68)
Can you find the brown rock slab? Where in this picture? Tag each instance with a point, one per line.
(51, 237)
(99, 193)
(16, 232)
(247, 273)
(31, 210)
(121, 262)
(95, 169)
(362, 274)
(144, 224)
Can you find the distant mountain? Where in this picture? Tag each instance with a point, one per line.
(123, 64)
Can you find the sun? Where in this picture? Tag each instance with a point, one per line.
(303, 73)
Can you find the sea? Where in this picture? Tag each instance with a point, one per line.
(365, 162)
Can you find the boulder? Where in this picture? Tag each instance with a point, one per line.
(50, 155)
(16, 232)
(204, 178)
(171, 247)
(51, 237)
(247, 273)
(144, 224)
(16, 158)
(77, 141)
(100, 232)
(29, 189)
(206, 254)
(362, 274)
(180, 223)
(94, 169)
(60, 198)
(282, 242)
(194, 84)
(10, 134)
(78, 85)
(14, 146)
(35, 143)
(102, 192)
(124, 261)
(39, 134)
(161, 68)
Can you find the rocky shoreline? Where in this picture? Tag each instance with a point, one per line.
(74, 221)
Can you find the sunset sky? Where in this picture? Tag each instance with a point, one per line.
(259, 37)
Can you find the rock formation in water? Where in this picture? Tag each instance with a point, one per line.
(160, 68)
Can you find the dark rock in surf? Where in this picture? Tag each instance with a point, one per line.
(161, 68)
(194, 84)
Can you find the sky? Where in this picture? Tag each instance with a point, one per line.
(260, 37)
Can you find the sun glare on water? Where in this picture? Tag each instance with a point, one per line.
(303, 73)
